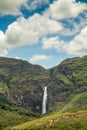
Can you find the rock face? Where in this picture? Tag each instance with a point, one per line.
(23, 82)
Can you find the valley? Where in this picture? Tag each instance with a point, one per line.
(22, 88)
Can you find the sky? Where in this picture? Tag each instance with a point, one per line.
(43, 32)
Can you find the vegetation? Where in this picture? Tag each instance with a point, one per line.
(66, 121)
(68, 78)
(21, 94)
(22, 82)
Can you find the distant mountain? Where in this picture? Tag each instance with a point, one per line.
(22, 86)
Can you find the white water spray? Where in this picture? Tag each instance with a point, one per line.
(44, 101)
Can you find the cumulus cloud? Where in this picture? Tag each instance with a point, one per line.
(53, 42)
(37, 58)
(61, 9)
(75, 26)
(3, 52)
(2, 40)
(34, 4)
(77, 46)
(2, 36)
(28, 31)
(11, 6)
(17, 57)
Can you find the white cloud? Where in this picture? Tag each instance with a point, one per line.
(2, 40)
(37, 58)
(10, 6)
(2, 36)
(61, 9)
(53, 42)
(34, 4)
(28, 31)
(17, 57)
(3, 52)
(78, 46)
(76, 27)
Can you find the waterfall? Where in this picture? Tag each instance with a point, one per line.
(44, 103)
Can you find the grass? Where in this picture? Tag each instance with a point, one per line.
(65, 121)
(66, 83)
(13, 118)
(74, 102)
(73, 116)
(8, 118)
(64, 78)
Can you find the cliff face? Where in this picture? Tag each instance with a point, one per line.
(23, 82)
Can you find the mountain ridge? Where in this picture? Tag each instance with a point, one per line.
(22, 85)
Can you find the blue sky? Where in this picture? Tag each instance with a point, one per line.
(43, 32)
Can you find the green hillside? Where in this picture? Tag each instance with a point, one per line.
(12, 114)
(67, 79)
(66, 121)
(21, 93)
(23, 82)
(73, 104)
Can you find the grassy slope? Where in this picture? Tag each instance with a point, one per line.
(76, 72)
(72, 116)
(68, 80)
(72, 104)
(65, 121)
(11, 114)
(12, 118)
(72, 70)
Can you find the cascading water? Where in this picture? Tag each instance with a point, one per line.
(44, 103)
